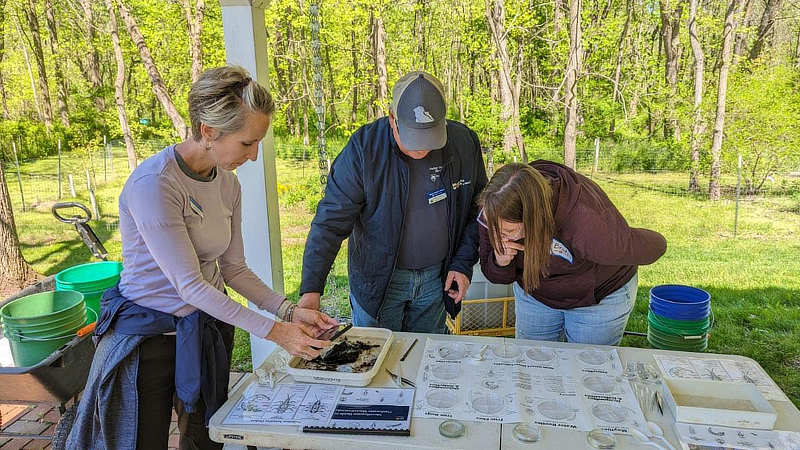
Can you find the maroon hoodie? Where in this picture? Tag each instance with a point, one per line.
(594, 252)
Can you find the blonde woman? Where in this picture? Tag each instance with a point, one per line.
(166, 331)
(570, 254)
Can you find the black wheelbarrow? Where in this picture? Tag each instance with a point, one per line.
(59, 378)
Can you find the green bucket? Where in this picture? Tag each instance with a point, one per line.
(89, 277)
(29, 351)
(41, 308)
(50, 327)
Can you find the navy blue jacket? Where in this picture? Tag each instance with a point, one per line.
(365, 200)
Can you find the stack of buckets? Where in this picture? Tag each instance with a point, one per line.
(37, 325)
(679, 318)
(91, 280)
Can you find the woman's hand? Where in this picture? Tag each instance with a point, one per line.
(314, 319)
(504, 258)
(297, 339)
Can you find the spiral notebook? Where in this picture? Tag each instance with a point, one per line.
(367, 411)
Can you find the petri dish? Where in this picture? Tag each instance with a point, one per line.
(601, 439)
(452, 428)
(527, 432)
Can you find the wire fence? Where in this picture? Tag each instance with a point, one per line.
(35, 185)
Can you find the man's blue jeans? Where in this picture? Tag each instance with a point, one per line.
(413, 302)
(602, 323)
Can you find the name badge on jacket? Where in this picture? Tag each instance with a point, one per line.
(436, 196)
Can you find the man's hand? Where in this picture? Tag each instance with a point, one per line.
(504, 258)
(461, 281)
(318, 321)
(309, 300)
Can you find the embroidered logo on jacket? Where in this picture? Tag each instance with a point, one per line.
(557, 248)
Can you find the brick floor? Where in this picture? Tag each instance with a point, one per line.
(42, 419)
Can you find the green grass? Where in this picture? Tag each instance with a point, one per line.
(752, 279)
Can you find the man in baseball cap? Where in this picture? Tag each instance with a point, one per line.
(419, 110)
(404, 191)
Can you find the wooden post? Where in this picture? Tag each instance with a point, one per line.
(105, 160)
(596, 154)
(58, 169)
(110, 157)
(19, 176)
(92, 198)
(738, 190)
(71, 186)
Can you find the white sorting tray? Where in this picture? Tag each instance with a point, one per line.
(738, 405)
(344, 378)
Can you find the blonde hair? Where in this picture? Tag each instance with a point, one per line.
(519, 193)
(222, 96)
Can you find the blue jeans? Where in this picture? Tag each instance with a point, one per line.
(413, 302)
(601, 324)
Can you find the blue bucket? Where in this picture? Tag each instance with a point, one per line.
(679, 302)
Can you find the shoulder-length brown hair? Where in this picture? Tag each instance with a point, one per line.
(519, 193)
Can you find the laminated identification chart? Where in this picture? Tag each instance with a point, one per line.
(323, 405)
(720, 369)
(505, 382)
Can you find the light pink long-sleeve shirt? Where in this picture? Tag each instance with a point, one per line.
(182, 244)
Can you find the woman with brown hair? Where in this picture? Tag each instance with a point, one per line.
(570, 254)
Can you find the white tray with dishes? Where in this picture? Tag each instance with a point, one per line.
(380, 336)
(738, 405)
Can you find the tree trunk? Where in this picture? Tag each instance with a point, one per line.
(354, 55)
(741, 36)
(38, 56)
(119, 85)
(3, 98)
(15, 272)
(797, 50)
(699, 124)
(30, 70)
(621, 49)
(92, 64)
(379, 51)
(419, 31)
(496, 16)
(670, 32)
(765, 27)
(159, 87)
(61, 82)
(571, 84)
(332, 99)
(194, 22)
(728, 34)
(558, 15)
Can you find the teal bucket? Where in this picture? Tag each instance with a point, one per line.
(90, 279)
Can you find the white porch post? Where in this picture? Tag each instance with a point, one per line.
(246, 46)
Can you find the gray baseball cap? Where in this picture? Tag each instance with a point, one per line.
(419, 109)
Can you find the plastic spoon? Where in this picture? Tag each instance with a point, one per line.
(656, 431)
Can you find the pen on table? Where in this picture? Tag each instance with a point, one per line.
(403, 358)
